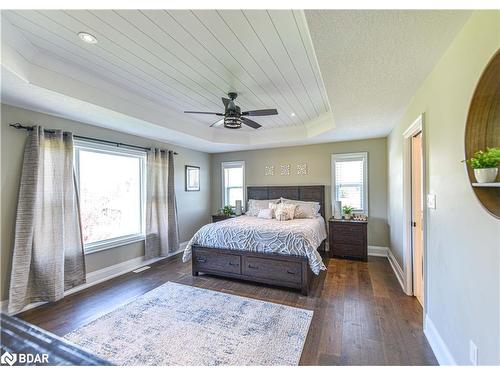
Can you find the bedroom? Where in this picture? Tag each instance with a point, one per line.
(284, 216)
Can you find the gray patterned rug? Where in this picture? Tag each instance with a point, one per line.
(177, 324)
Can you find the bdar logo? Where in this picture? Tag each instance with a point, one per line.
(8, 359)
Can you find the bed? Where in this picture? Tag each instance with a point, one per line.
(265, 251)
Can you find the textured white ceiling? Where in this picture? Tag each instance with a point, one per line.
(373, 61)
(151, 65)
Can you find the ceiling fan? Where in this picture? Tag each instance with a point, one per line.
(233, 117)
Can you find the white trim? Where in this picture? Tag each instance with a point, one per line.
(416, 127)
(236, 163)
(106, 149)
(103, 274)
(441, 351)
(95, 247)
(397, 270)
(378, 251)
(346, 156)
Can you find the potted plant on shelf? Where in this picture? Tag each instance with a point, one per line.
(485, 164)
(347, 210)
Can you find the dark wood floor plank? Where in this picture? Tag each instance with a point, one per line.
(361, 315)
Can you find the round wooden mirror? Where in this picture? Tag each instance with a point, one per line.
(483, 130)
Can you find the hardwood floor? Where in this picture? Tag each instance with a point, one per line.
(361, 316)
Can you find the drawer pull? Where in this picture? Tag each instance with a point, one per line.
(233, 264)
(290, 272)
(253, 267)
(201, 260)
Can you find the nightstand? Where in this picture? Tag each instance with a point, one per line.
(348, 239)
(216, 218)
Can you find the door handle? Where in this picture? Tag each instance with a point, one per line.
(233, 264)
(290, 272)
(253, 267)
(413, 223)
(201, 260)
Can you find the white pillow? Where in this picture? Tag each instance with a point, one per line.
(265, 213)
(274, 207)
(285, 212)
(304, 210)
(255, 205)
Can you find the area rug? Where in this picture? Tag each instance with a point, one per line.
(177, 324)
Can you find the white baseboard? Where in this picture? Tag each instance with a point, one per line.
(378, 251)
(397, 269)
(102, 275)
(437, 344)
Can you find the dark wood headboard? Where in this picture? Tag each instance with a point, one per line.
(312, 193)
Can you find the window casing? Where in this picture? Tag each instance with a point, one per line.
(350, 180)
(112, 187)
(233, 182)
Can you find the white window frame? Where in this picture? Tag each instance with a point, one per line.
(123, 151)
(228, 164)
(347, 157)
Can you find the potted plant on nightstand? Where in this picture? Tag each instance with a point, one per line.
(227, 211)
(347, 210)
(485, 164)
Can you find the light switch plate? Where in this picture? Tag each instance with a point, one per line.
(431, 201)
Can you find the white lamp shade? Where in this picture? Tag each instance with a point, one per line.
(238, 208)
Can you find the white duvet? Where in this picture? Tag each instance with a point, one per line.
(293, 237)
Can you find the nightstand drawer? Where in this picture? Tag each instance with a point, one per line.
(349, 251)
(347, 238)
(348, 229)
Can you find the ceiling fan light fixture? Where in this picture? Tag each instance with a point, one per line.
(232, 122)
(87, 38)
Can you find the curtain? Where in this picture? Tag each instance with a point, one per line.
(162, 230)
(48, 253)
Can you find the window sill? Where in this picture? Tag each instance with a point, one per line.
(112, 244)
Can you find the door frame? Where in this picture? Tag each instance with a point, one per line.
(416, 127)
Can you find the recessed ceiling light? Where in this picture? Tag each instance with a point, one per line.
(292, 114)
(87, 38)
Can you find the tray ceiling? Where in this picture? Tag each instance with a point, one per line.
(150, 65)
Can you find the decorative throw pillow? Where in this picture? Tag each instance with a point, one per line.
(285, 212)
(304, 210)
(265, 213)
(255, 205)
(274, 207)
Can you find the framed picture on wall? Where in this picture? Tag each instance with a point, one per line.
(192, 178)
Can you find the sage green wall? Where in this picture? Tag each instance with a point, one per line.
(318, 159)
(463, 240)
(194, 207)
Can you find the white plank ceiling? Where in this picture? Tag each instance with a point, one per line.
(188, 60)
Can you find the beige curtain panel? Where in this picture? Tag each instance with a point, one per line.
(162, 230)
(48, 255)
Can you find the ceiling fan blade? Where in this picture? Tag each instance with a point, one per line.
(217, 123)
(260, 112)
(250, 123)
(205, 113)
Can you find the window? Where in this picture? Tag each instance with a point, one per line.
(350, 180)
(111, 183)
(233, 182)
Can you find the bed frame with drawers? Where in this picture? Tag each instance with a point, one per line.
(269, 268)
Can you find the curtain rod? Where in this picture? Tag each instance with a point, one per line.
(17, 125)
